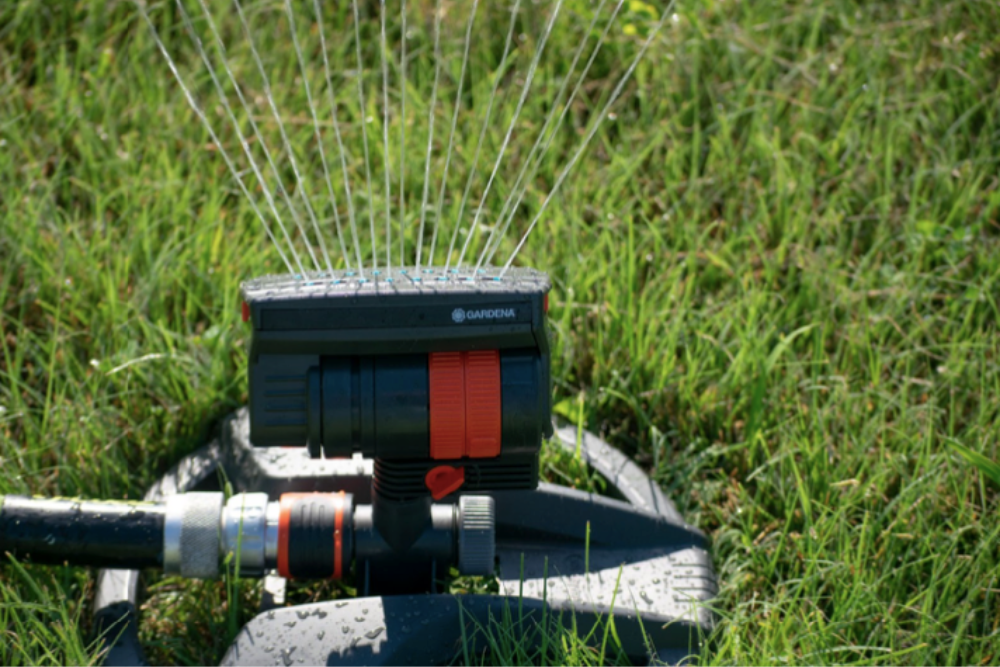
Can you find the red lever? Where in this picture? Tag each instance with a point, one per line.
(443, 480)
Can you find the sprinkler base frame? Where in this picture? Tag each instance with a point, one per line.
(643, 565)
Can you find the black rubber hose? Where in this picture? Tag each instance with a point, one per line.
(113, 534)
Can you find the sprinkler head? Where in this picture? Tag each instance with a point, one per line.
(443, 380)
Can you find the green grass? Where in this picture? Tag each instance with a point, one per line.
(776, 285)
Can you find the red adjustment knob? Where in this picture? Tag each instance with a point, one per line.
(446, 379)
(482, 404)
(465, 404)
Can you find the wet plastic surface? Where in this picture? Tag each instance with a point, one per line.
(641, 558)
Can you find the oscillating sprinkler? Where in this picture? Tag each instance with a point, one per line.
(441, 380)
(393, 433)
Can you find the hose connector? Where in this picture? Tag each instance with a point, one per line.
(192, 535)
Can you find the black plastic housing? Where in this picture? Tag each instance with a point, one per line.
(338, 361)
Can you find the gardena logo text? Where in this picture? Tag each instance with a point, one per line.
(458, 315)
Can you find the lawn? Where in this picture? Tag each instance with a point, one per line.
(776, 270)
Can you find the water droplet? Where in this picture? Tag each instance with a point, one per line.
(268, 649)
(425, 621)
(260, 633)
(320, 635)
(656, 581)
(321, 613)
(406, 628)
(286, 656)
(345, 629)
(270, 614)
(340, 605)
(372, 634)
(364, 611)
(290, 624)
(302, 614)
